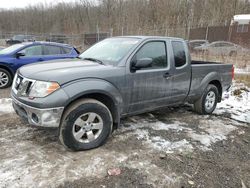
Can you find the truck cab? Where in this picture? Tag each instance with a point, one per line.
(165, 81)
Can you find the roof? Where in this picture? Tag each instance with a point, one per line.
(143, 37)
(44, 42)
(221, 41)
(242, 18)
(198, 40)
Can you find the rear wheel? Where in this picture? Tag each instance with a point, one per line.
(5, 79)
(208, 101)
(85, 125)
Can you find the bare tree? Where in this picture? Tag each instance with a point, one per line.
(123, 16)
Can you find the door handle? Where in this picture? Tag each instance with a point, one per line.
(166, 75)
(40, 59)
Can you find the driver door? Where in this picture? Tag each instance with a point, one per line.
(149, 87)
(30, 54)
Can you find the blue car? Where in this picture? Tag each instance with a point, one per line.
(13, 57)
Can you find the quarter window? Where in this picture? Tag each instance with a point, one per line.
(223, 45)
(66, 50)
(227, 45)
(52, 50)
(179, 54)
(156, 51)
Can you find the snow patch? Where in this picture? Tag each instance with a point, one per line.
(160, 144)
(214, 131)
(236, 103)
(241, 71)
(163, 126)
(6, 106)
(38, 167)
(155, 124)
(209, 132)
(169, 147)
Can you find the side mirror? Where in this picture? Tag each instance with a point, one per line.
(19, 54)
(142, 63)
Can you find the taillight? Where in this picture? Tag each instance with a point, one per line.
(232, 72)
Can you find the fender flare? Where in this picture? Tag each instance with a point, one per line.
(213, 76)
(80, 88)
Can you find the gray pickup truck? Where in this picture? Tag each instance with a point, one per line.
(86, 97)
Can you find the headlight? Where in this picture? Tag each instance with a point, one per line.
(42, 89)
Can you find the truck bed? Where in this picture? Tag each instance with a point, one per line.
(204, 62)
(202, 69)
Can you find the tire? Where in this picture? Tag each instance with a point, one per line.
(5, 78)
(85, 125)
(205, 105)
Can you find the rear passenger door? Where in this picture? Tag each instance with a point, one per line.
(55, 52)
(182, 74)
(149, 87)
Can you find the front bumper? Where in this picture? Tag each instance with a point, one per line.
(49, 117)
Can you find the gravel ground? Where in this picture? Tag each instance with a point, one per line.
(172, 147)
(5, 93)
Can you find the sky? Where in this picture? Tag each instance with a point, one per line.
(10, 4)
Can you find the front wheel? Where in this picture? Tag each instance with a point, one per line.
(208, 101)
(5, 79)
(85, 125)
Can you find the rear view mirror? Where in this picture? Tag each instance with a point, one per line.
(19, 54)
(142, 63)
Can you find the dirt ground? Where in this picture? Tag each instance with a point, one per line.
(172, 147)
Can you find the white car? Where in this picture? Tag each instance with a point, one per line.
(221, 48)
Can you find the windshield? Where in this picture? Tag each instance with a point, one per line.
(11, 49)
(110, 50)
(18, 37)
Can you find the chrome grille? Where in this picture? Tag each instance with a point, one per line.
(21, 85)
(18, 82)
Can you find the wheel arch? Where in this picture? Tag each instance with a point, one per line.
(99, 90)
(211, 78)
(217, 84)
(103, 98)
(8, 69)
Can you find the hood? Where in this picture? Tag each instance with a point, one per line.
(63, 71)
(4, 55)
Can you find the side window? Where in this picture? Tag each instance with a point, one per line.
(66, 50)
(227, 44)
(52, 50)
(179, 54)
(32, 51)
(217, 45)
(213, 45)
(156, 51)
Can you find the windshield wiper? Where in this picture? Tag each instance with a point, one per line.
(94, 59)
